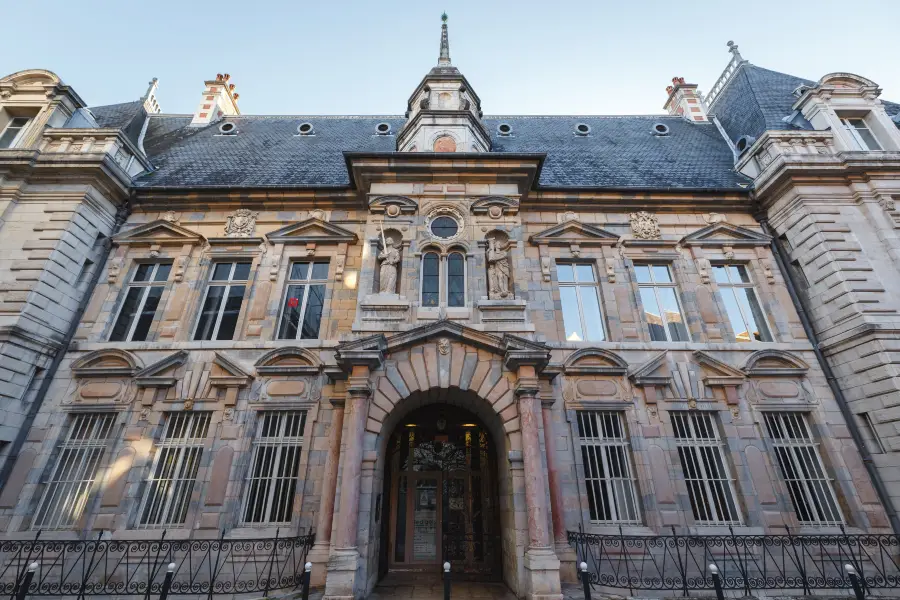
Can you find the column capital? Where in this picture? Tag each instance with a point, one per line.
(359, 386)
(527, 386)
(338, 401)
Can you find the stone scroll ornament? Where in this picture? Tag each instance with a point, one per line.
(498, 270)
(645, 226)
(241, 223)
(390, 261)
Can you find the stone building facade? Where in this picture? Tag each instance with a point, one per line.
(441, 336)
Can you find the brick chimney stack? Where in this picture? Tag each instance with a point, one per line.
(684, 100)
(219, 100)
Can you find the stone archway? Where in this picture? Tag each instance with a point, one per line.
(444, 362)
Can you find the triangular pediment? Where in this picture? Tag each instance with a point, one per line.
(226, 372)
(162, 373)
(158, 232)
(725, 234)
(654, 371)
(575, 232)
(312, 230)
(718, 372)
(373, 349)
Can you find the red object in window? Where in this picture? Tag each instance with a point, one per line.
(293, 302)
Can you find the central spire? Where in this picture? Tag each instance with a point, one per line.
(444, 58)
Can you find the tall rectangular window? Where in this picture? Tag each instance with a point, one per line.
(301, 314)
(75, 472)
(580, 296)
(174, 471)
(861, 134)
(274, 468)
(804, 473)
(13, 131)
(222, 306)
(140, 303)
(660, 299)
(748, 321)
(606, 455)
(705, 470)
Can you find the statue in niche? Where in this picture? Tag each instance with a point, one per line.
(498, 269)
(390, 263)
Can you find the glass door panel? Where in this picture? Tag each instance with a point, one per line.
(425, 520)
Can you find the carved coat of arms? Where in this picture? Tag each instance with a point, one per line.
(645, 226)
(241, 223)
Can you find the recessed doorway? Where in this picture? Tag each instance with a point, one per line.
(441, 495)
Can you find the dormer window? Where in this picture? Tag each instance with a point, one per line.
(860, 133)
(13, 132)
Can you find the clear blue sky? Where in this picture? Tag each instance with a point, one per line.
(365, 57)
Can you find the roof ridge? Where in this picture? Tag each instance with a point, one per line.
(504, 116)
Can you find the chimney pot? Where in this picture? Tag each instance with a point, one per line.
(227, 76)
(218, 77)
(230, 86)
(669, 89)
(236, 96)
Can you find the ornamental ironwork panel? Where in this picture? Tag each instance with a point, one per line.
(745, 562)
(138, 567)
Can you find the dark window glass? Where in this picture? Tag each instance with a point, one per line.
(222, 306)
(303, 304)
(314, 302)
(209, 312)
(431, 280)
(126, 315)
(456, 280)
(231, 312)
(140, 303)
(444, 227)
(290, 317)
(146, 318)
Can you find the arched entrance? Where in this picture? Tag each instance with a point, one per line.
(441, 495)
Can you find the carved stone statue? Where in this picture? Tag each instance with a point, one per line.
(498, 270)
(241, 223)
(645, 226)
(390, 261)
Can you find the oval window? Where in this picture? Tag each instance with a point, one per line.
(444, 227)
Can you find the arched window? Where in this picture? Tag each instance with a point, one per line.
(431, 279)
(456, 280)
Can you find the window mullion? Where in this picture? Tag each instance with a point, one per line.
(221, 311)
(306, 285)
(137, 315)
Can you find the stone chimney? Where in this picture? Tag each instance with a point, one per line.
(219, 100)
(684, 100)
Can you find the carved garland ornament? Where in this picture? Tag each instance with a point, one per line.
(645, 226)
(241, 223)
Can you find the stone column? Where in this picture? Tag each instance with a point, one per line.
(341, 581)
(541, 564)
(564, 551)
(321, 550)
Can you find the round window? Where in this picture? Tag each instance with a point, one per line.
(444, 227)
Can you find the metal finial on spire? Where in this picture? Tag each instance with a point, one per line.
(733, 48)
(444, 58)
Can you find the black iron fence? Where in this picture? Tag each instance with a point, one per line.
(138, 567)
(743, 562)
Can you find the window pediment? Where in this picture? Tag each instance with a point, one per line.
(594, 361)
(718, 372)
(159, 233)
(312, 230)
(289, 361)
(724, 234)
(575, 232)
(107, 363)
(162, 372)
(774, 363)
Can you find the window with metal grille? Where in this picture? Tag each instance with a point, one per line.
(804, 473)
(224, 297)
(580, 297)
(609, 478)
(661, 308)
(75, 473)
(174, 471)
(274, 469)
(140, 303)
(706, 472)
(304, 300)
(748, 321)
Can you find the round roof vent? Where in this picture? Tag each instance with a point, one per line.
(660, 129)
(383, 128)
(582, 129)
(305, 129)
(227, 128)
(504, 129)
(744, 142)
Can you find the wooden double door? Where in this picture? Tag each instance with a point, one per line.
(443, 495)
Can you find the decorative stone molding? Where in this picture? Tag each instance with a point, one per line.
(161, 232)
(645, 226)
(241, 223)
(289, 361)
(393, 206)
(722, 235)
(774, 363)
(495, 207)
(107, 363)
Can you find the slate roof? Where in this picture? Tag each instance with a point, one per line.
(755, 100)
(128, 116)
(619, 152)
